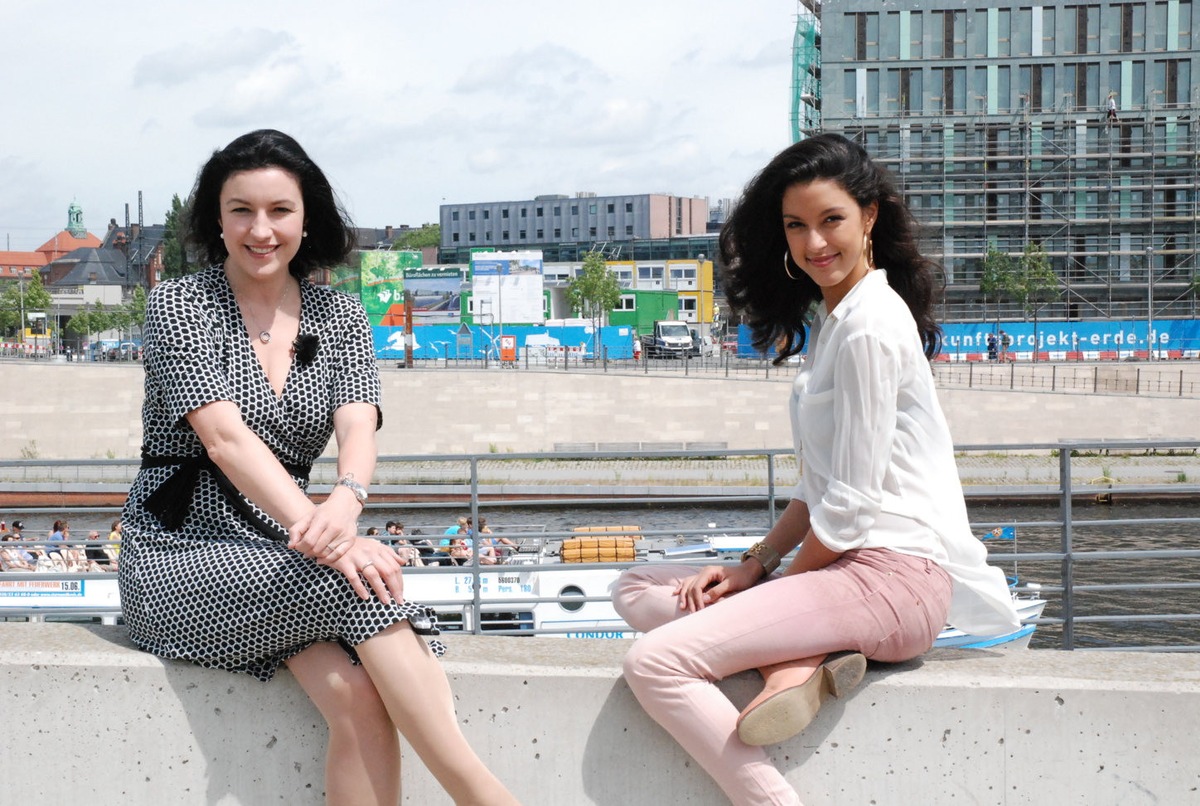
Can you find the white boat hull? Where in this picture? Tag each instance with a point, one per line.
(505, 595)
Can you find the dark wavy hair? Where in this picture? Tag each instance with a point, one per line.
(753, 245)
(331, 237)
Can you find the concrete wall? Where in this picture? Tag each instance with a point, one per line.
(92, 411)
(89, 719)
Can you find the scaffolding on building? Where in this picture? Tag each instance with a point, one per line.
(1112, 197)
(806, 69)
(1113, 204)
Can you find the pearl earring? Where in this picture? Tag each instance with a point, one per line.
(304, 234)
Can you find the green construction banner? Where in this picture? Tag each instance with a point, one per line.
(381, 275)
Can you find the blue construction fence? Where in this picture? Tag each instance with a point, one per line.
(467, 342)
(1046, 341)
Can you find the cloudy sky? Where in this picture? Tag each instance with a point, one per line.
(406, 104)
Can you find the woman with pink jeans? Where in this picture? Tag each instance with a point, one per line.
(884, 553)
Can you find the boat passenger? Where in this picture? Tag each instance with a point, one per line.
(226, 561)
(885, 554)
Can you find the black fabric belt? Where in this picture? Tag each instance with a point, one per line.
(172, 500)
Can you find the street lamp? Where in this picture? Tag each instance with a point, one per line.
(1150, 301)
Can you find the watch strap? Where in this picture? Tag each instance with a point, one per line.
(360, 492)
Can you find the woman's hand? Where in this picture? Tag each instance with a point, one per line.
(714, 582)
(323, 533)
(369, 562)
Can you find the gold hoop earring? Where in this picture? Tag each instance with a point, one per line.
(787, 256)
(869, 249)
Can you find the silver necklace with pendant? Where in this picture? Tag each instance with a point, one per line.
(264, 335)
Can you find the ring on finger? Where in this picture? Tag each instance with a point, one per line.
(367, 564)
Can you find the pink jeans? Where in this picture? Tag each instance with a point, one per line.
(886, 605)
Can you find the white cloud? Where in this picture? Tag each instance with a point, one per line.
(405, 105)
(225, 52)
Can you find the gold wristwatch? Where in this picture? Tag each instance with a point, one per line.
(766, 556)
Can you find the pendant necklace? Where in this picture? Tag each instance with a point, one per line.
(264, 334)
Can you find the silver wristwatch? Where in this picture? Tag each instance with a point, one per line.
(360, 492)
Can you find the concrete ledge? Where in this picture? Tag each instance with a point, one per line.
(556, 721)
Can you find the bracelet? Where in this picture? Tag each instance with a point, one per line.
(767, 557)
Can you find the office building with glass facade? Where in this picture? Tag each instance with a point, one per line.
(1070, 125)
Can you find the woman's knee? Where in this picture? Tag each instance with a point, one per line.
(651, 659)
(351, 701)
(625, 592)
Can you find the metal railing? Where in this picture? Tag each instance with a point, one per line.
(1103, 576)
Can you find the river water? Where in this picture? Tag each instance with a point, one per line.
(1035, 532)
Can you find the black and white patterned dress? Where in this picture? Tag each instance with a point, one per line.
(213, 581)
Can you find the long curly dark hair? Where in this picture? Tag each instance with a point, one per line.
(752, 243)
(330, 239)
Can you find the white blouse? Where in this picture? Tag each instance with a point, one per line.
(877, 459)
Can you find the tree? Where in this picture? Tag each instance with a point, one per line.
(23, 298)
(134, 311)
(95, 319)
(1035, 284)
(996, 278)
(594, 292)
(175, 262)
(426, 235)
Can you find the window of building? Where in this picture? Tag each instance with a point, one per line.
(557, 232)
(592, 208)
(541, 233)
(454, 215)
(916, 35)
(611, 208)
(454, 237)
(504, 213)
(504, 235)
(629, 207)
(591, 232)
(1022, 32)
(650, 276)
(574, 232)
(979, 34)
(907, 89)
(1047, 28)
(627, 302)
(1171, 74)
(574, 209)
(1003, 33)
(683, 276)
(521, 234)
(629, 229)
(524, 213)
(866, 35)
(470, 215)
(487, 214)
(951, 36)
(953, 96)
(687, 305)
(612, 232)
(539, 211)
(471, 237)
(557, 209)
(1185, 26)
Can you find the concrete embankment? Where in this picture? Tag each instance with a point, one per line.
(92, 411)
(555, 720)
